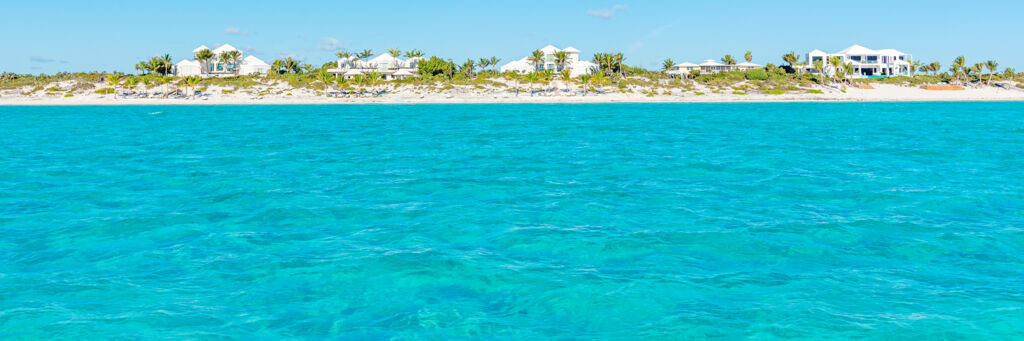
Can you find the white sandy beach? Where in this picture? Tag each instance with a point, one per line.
(408, 94)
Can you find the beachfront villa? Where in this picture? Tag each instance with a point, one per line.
(388, 66)
(710, 66)
(549, 61)
(866, 62)
(215, 67)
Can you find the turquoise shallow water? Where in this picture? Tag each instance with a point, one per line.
(670, 221)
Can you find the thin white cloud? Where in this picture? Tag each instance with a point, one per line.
(607, 13)
(249, 50)
(329, 44)
(236, 31)
(38, 59)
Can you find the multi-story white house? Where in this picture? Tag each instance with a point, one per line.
(388, 66)
(866, 62)
(216, 68)
(710, 66)
(549, 61)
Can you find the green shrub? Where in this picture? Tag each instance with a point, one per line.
(699, 94)
(774, 92)
(69, 95)
(757, 75)
(739, 93)
(815, 92)
(105, 91)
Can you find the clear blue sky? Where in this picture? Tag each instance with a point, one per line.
(105, 35)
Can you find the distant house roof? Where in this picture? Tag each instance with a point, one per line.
(549, 49)
(748, 64)
(856, 50)
(224, 48)
(385, 59)
(187, 62)
(686, 64)
(817, 52)
(891, 52)
(711, 62)
(571, 49)
(250, 60)
(200, 48)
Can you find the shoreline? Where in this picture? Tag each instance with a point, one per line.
(411, 96)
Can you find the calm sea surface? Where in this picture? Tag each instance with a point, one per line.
(675, 221)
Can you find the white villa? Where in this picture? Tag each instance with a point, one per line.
(573, 63)
(388, 66)
(866, 62)
(709, 66)
(215, 68)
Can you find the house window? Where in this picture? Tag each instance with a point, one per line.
(872, 59)
(855, 58)
(814, 59)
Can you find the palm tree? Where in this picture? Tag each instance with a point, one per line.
(142, 66)
(837, 65)
(204, 56)
(364, 54)
(819, 66)
(618, 58)
(291, 65)
(728, 60)
(414, 53)
(992, 67)
(514, 77)
(958, 68)
(598, 79)
(468, 68)
(131, 82)
(935, 67)
(395, 52)
(113, 80)
(342, 54)
(560, 58)
(531, 78)
(584, 81)
(494, 63)
(978, 69)
(372, 79)
(667, 65)
(234, 56)
(484, 63)
(914, 66)
(325, 78)
(791, 58)
(566, 77)
(307, 68)
(537, 58)
(749, 56)
(189, 82)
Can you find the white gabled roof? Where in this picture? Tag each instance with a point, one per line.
(686, 64)
(856, 50)
(817, 52)
(890, 52)
(224, 48)
(549, 49)
(711, 62)
(200, 48)
(748, 64)
(571, 49)
(384, 58)
(250, 60)
(187, 62)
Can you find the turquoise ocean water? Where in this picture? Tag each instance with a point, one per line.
(629, 221)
